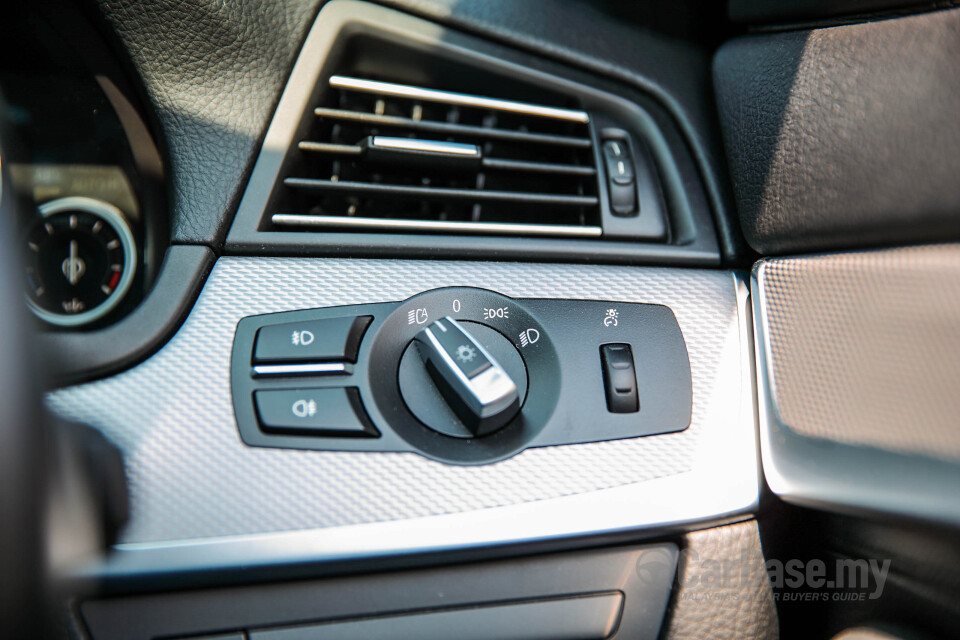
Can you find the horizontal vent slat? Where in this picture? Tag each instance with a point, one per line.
(500, 164)
(329, 147)
(439, 193)
(482, 228)
(459, 99)
(450, 129)
(540, 167)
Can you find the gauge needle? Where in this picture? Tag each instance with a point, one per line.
(73, 267)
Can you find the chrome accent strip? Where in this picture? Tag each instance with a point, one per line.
(428, 146)
(462, 99)
(300, 369)
(839, 477)
(303, 220)
(494, 390)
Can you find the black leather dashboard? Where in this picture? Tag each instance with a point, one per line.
(214, 73)
(844, 136)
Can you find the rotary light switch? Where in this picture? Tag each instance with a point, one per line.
(471, 381)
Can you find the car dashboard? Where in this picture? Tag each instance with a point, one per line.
(485, 320)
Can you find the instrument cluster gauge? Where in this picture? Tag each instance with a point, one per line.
(81, 261)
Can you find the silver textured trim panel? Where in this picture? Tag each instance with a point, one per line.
(200, 498)
(482, 228)
(461, 99)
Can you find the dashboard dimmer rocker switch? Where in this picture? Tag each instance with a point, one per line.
(470, 380)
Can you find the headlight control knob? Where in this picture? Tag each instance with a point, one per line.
(478, 389)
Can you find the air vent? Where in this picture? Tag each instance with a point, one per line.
(386, 156)
(397, 137)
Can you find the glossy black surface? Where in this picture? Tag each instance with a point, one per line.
(619, 378)
(332, 339)
(324, 412)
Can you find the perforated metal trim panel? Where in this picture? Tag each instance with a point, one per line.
(191, 476)
(865, 347)
(857, 363)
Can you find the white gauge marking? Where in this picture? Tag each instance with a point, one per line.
(73, 267)
(73, 306)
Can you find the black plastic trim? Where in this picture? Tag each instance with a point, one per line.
(589, 616)
(368, 245)
(644, 575)
(766, 12)
(80, 356)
